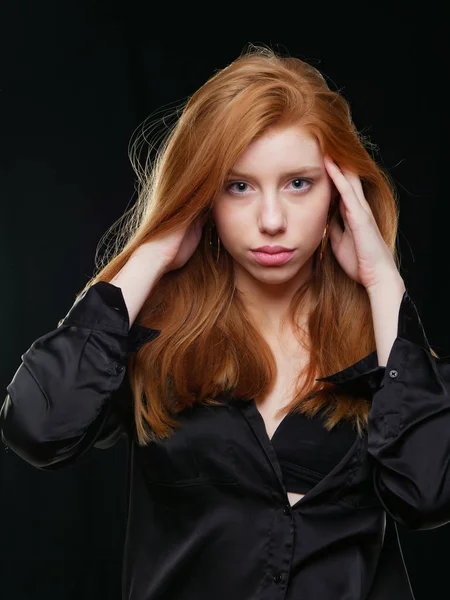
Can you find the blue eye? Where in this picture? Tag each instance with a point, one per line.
(240, 190)
(301, 180)
(236, 183)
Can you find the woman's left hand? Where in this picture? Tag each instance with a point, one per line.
(360, 248)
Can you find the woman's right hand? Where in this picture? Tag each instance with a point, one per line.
(176, 248)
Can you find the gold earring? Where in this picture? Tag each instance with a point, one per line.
(323, 243)
(218, 242)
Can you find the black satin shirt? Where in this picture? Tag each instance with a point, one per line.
(208, 514)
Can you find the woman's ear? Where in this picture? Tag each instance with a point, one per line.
(334, 192)
(334, 205)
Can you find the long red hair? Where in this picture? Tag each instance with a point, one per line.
(208, 344)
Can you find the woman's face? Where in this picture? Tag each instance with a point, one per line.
(278, 193)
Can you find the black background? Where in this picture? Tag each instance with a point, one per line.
(76, 80)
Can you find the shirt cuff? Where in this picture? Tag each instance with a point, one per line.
(102, 307)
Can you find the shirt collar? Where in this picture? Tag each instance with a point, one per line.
(140, 335)
(365, 373)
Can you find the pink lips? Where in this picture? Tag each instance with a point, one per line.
(277, 258)
(272, 249)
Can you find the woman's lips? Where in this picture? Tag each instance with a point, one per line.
(279, 258)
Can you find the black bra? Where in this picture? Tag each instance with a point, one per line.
(306, 451)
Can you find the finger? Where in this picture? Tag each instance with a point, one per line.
(356, 183)
(349, 186)
(342, 184)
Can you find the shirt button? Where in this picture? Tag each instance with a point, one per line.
(278, 578)
(119, 368)
(287, 510)
(393, 373)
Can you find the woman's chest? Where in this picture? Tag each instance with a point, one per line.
(282, 393)
(269, 406)
(227, 447)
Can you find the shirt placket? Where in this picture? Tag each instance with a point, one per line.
(283, 533)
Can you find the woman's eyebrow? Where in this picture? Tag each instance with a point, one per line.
(305, 170)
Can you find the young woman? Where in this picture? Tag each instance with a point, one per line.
(254, 341)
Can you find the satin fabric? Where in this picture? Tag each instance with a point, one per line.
(307, 451)
(208, 512)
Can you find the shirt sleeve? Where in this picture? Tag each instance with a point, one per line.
(409, 428)
(71, 391)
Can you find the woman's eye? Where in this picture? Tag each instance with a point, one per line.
(239, 187)
(299, 180)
